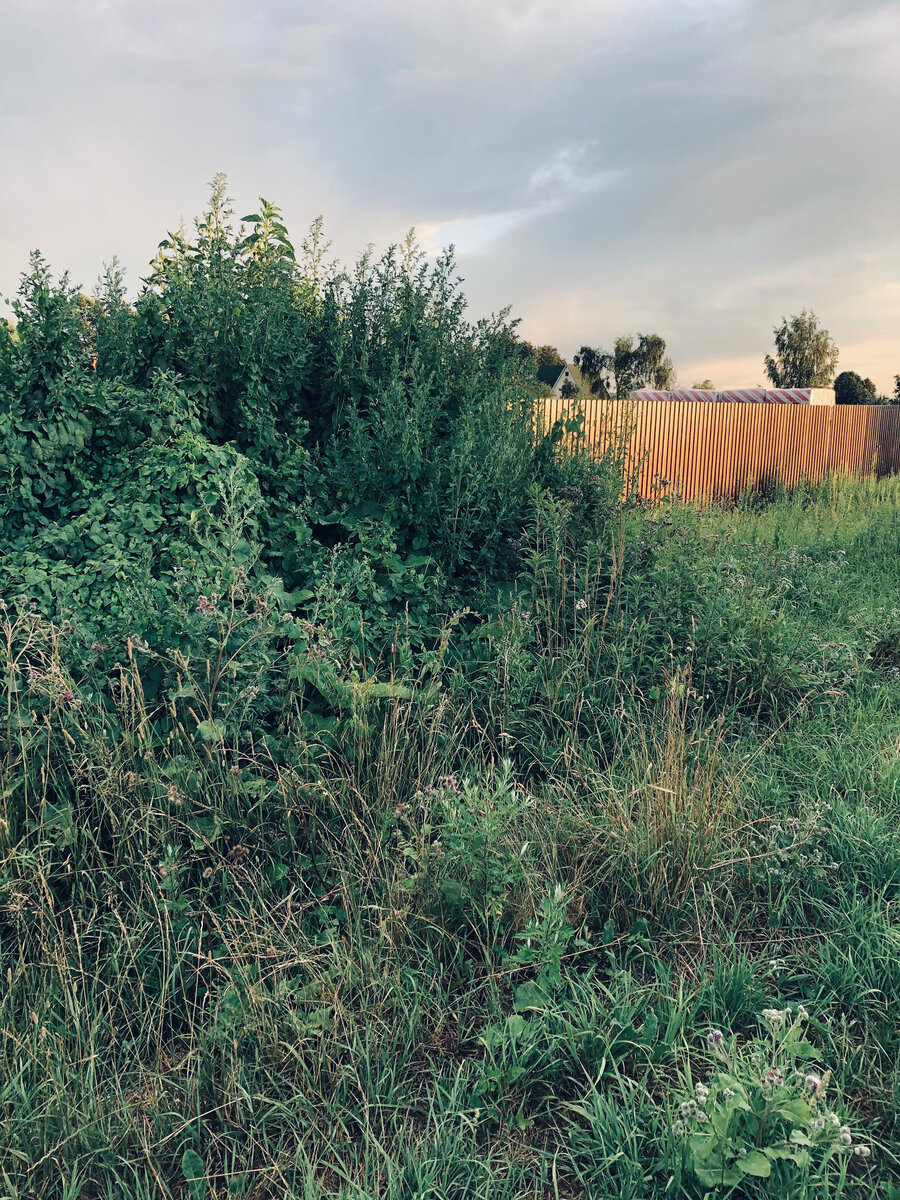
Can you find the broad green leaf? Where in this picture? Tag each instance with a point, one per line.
(515, 1026)
(194, 1170)
(755, 1163)
(650, 1028)
(800, 1050)
(211, 731)
(530, 995)
(720, 1121)
(796, 1110)
(709, 1178)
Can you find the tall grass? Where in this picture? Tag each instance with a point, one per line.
(467, 939)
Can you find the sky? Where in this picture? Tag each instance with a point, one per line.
(695, 168)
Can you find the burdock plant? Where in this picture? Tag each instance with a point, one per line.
(764, 1113)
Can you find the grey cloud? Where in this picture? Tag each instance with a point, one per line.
(694, 166)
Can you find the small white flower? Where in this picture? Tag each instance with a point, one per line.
(702, 1093)
(845, 1137)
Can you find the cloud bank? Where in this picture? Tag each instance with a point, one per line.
(692, 167)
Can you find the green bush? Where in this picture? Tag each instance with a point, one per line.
(387, 807)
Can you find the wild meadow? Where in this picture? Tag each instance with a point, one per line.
(390, 809)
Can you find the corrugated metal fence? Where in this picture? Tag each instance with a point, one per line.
(717, 450)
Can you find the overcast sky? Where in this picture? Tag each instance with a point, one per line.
(695, 168)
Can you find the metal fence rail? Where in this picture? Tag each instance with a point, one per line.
(716, 450)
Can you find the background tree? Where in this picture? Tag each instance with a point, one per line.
(542, 356)
(641, 365)
(705, 385)
(654, 366)
(895, 398)
(595, 367)
(805, 354)
(850, 388)
(549, 356)
(624, 366)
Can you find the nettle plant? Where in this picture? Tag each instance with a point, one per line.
(764, 1117)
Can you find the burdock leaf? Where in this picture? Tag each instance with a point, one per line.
(754, 1163)
(194, 1170)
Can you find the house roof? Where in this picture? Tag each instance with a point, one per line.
(550, 375)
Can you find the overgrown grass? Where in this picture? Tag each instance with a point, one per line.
(465, 936)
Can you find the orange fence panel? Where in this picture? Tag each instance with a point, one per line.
(714, 451)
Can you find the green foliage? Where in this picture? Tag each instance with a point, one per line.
(540, 356)
(45, 424)
(466, 849)
(339, 932)
(805, 354)
(328, 400)
(628, 367)
(850, 388)
(763, 1118)
(386, 808)
(594, 365)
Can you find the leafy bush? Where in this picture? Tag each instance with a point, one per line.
(342, 401)
(763, 1117)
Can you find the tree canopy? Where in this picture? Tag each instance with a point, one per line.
(629, 366)
(850, 388)
(541, 356)
(805, 354)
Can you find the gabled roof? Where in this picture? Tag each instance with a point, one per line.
(550, 375)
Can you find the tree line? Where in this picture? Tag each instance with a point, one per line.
(806, 356)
